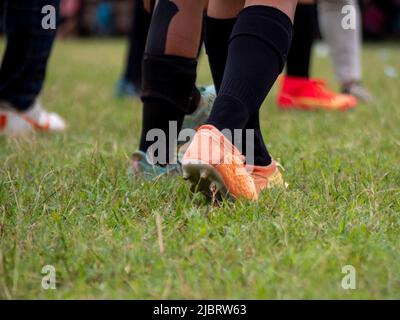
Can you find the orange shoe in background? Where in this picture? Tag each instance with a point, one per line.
(312, 94)
(266, 177)
(215, 166)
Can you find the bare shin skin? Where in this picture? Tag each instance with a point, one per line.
(184, 30)
(224, 9)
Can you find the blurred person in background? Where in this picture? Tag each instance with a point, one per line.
(298, 89)
(104, 18)
(381, 18)
(23, 69)
(131, 80)
(69, 18)
(345, 46)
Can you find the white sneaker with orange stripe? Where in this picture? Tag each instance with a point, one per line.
(37, 118)
(215, 166)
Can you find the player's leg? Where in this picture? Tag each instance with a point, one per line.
(219, 23)
(304, 32)
(257, 53)
(24, 67)
(130, 83)
(298, 90)
(345, 45)
(169, 70)
(203, 96)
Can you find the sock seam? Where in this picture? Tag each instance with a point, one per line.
(233, 97)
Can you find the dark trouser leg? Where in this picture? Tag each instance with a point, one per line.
(27, 52)
(137, 44)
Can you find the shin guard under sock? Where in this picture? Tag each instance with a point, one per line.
(167, 94)
(304, 30)
(257, 53)
(168, 85)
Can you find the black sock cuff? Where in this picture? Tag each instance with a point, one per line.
(223, 22)
(217, 31)
(169, 78)
(308, 8)
(253, 21)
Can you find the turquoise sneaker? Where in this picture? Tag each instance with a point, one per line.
(200, 116)
(140, 166)
(126, 89)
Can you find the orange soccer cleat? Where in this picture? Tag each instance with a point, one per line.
(312, 94)
(215, 166)
(266, 177)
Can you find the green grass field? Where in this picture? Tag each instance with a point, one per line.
(66, 200)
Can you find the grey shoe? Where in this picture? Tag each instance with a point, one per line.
(357, 90)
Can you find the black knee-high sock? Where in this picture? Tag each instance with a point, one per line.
(217, 35)
(216, 39)
(257, 53)
(137, 42)
(304, 30)
(261, 154)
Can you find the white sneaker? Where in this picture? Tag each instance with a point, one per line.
(37, 118)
